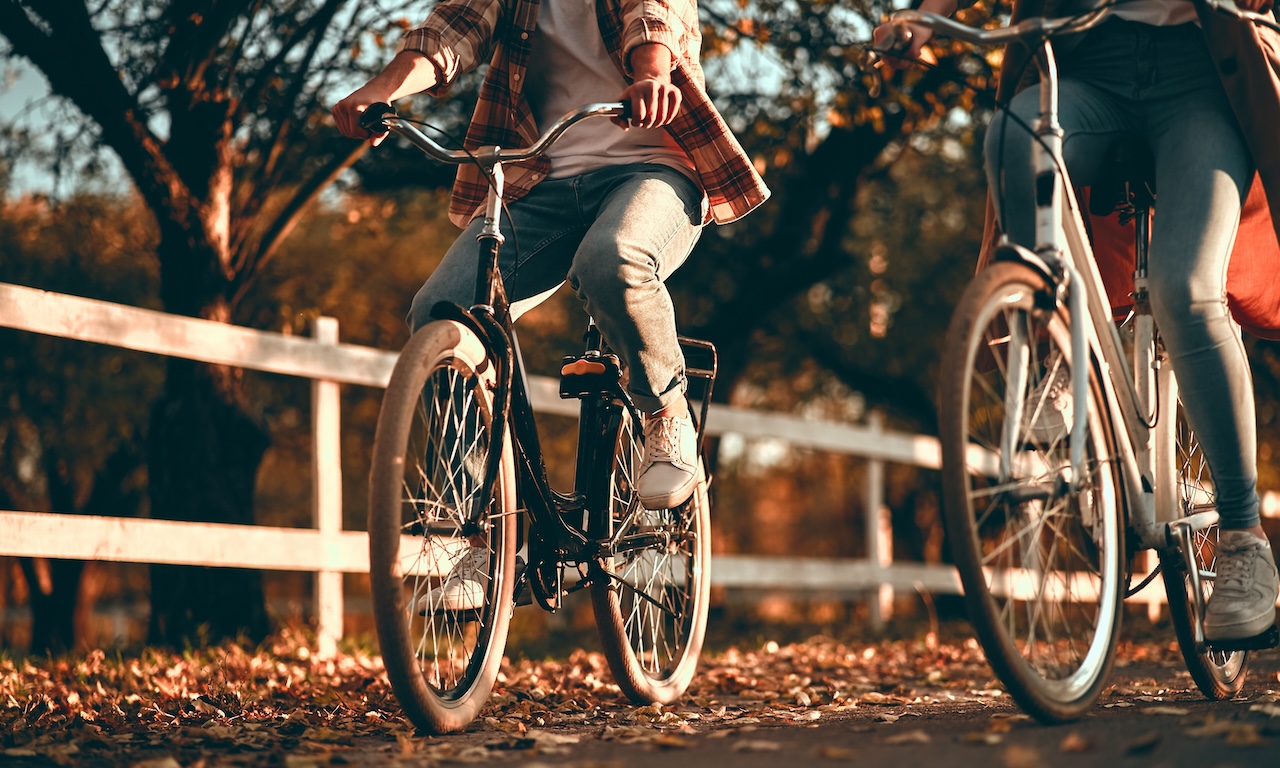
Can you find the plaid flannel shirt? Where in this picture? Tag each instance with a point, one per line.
(459, 35)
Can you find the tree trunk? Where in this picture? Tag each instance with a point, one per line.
(53, 588)
(204, 451)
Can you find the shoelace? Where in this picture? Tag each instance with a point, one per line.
(661, 438)
(1235, 568)
(471, 566)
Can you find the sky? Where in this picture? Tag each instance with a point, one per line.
(21, 87)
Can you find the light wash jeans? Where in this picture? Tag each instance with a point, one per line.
(1159, 83)
(615, 234)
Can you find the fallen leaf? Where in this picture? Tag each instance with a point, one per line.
(756, 745)
(914, 736)
(835, 753)
(672, 741)
(1270, 710)
(1245, 735)
(1074, 742)
(1175, 711)
(1143, 743)
(1018, 756)
(159, 762)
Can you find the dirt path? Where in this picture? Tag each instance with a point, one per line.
(814, 703)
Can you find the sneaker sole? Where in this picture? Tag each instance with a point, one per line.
(670, 500)
(1240, 630)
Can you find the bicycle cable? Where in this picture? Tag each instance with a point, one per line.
(489, 180)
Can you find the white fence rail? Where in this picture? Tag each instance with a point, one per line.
(329, 551)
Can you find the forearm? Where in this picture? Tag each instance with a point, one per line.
(940, 7)
(650, 61)
(408, 73)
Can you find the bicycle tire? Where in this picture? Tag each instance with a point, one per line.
(1011, 577)
(430, 447)
(1218, 674)
(651, 604)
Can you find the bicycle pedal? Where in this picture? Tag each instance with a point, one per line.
(589, 376)
(524, 594)
(1262, 642)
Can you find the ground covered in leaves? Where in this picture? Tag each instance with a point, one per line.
(281, 705)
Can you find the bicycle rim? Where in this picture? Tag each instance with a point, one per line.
(1041, 563)
(651, 601)
(1218, 674)
(426, 515)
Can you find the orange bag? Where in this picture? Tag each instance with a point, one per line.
(1253, 281)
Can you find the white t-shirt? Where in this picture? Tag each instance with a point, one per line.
(1159, 13)
(569, 67)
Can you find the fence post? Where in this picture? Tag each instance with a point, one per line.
(326, 495)
(879, 533)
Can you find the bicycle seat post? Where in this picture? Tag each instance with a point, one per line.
(489, 289)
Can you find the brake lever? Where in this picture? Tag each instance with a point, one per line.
(372, 118)
(869, 61)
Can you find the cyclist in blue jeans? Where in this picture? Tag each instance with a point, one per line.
(1149, 72)
(612, 209)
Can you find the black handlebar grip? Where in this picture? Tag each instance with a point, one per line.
(371, 118)
(626, 111)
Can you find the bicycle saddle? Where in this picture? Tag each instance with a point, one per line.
(1128, 178)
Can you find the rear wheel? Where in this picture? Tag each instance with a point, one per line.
(1218, 674)
(651, 596)
(430, 524)
(1040, 552)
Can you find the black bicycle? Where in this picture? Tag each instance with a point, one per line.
(458, 481)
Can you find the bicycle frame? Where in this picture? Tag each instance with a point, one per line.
(490, 317)
(1129, 389)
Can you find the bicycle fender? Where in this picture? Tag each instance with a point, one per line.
(1045, 266)
(447, 310)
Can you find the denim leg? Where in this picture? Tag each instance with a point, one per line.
(1159, 82)
(648, 221)
(1091, 119)
(541, 231)
(1204, 170)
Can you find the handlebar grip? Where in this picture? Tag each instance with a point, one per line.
(371, 118)
(625, 113)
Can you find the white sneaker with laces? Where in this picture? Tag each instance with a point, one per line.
(1048, 410)
(463, 588)
(670, 467)
(1243, 603)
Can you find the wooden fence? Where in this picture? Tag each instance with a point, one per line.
(329, 551)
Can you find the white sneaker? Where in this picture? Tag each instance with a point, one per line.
(1243, 603)
(463, 588)
(670, 467)
(1048, 410)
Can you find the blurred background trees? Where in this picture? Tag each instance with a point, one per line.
(198, 172)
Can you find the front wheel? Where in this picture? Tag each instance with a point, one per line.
(1218, 674)
(651, 596)
(441, 551)
(1040, 551)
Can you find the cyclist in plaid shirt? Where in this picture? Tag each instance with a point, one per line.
(612, 209)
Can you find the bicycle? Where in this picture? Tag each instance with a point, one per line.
(1044, 518)
(458, 472)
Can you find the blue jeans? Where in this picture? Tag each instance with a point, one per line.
(1159, 83)
(615, 234)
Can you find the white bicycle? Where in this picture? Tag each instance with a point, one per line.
(1043, 522)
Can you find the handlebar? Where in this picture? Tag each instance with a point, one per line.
(1036, 27)
(380, 117)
